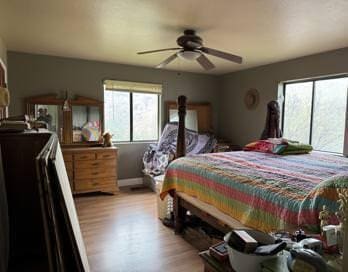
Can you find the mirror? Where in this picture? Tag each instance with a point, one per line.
(198, 115)
(86, 123)
(191, 121)
(49, 115)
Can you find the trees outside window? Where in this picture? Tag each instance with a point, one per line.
(314, 112)
(131, 116)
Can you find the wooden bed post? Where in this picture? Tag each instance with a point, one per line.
(180, 143)
(179, 211)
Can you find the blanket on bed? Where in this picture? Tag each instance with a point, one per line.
(157, 156)
(262, 191)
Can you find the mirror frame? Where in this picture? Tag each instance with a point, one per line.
(67, 133)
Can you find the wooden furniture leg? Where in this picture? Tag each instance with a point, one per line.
(179, 215)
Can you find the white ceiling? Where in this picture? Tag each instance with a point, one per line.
(262, 31)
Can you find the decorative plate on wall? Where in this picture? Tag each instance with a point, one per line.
(252, 99)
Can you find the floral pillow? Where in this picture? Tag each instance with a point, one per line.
(271, 145)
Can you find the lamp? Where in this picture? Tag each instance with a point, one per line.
(189, 54)
(66, 105)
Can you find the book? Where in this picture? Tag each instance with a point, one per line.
(242, 241)
(17, 125)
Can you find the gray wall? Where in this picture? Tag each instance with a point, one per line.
(242, 125)
(37, 74)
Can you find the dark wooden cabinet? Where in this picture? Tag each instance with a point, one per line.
(30, 223)
(27, 242)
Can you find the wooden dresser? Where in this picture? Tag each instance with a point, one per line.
(91, 169)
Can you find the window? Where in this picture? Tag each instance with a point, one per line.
(132, 110)
(314, 112)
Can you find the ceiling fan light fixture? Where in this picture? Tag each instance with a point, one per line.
(189, 54)
(191, 49)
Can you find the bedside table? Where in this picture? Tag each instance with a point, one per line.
(213, 265)
(225, 146)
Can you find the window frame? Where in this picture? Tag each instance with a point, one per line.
(130, 92)
(314, 80)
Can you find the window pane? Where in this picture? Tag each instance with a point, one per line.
(329, 114)
(145, 117)
(297, 111)
(117, 114)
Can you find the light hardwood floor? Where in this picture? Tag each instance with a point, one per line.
(122, 233)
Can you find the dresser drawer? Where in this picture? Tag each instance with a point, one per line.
(69, 165)
(67, 157)
(95, 163)
(70, 172)
(84, 156)
(97, 172)
(71, 182)
(90, 184)
(106, 155)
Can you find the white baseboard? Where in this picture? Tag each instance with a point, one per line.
(130, 182)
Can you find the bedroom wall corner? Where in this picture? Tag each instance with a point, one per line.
(241, 125)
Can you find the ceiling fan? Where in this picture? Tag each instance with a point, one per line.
(191, 48)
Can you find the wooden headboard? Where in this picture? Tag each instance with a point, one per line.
(204, 113)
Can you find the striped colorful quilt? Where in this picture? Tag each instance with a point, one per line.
(262, 191)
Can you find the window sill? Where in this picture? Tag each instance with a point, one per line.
(331, 153)
(138, 142)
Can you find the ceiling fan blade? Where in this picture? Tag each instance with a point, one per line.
(205, 62)
(167, 61)
(158, 50)
(220, 54)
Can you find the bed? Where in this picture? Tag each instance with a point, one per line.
(253, 189)
(262, 191)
